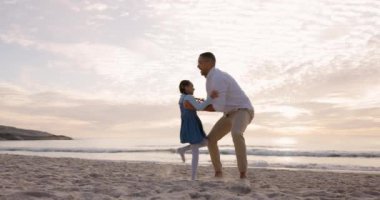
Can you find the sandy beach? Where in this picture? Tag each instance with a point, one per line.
(31, 177)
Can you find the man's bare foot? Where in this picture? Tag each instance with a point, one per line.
(243, 175)
(218, 174)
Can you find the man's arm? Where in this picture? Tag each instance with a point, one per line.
(197, 105)
(188, 105)
(214, 95)
(221, 85)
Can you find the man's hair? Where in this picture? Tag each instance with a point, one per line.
(182, 85)
(208, 55)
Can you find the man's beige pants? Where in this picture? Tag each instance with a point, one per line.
(235, 122)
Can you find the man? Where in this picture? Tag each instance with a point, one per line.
(237, 109)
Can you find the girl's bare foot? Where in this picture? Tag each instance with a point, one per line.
(181, 152)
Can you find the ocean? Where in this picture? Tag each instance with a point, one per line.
(353, 154)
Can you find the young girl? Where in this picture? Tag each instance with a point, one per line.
(191, 126)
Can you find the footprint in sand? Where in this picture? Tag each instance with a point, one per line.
(33, 194)
(240, 187)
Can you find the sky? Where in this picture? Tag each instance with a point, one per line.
(112, 68)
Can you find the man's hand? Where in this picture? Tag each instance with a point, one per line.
(188, 105)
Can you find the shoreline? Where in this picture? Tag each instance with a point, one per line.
(33, 177)
(226, 165)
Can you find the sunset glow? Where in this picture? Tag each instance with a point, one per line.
(113, 67)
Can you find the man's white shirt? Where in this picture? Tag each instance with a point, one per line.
(231, 96)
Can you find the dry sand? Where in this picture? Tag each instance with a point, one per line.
(30, 177)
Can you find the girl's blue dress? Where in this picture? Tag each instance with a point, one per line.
(191, 126)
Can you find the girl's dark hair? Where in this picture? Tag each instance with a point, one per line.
(182, 86)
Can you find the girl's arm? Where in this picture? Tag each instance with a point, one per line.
(197, 105)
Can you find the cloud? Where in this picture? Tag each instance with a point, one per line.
(309, 67)
(57, 110)
(121, 67)
(15, 36)
(10, 2)
(320, 118)
(96, 7)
